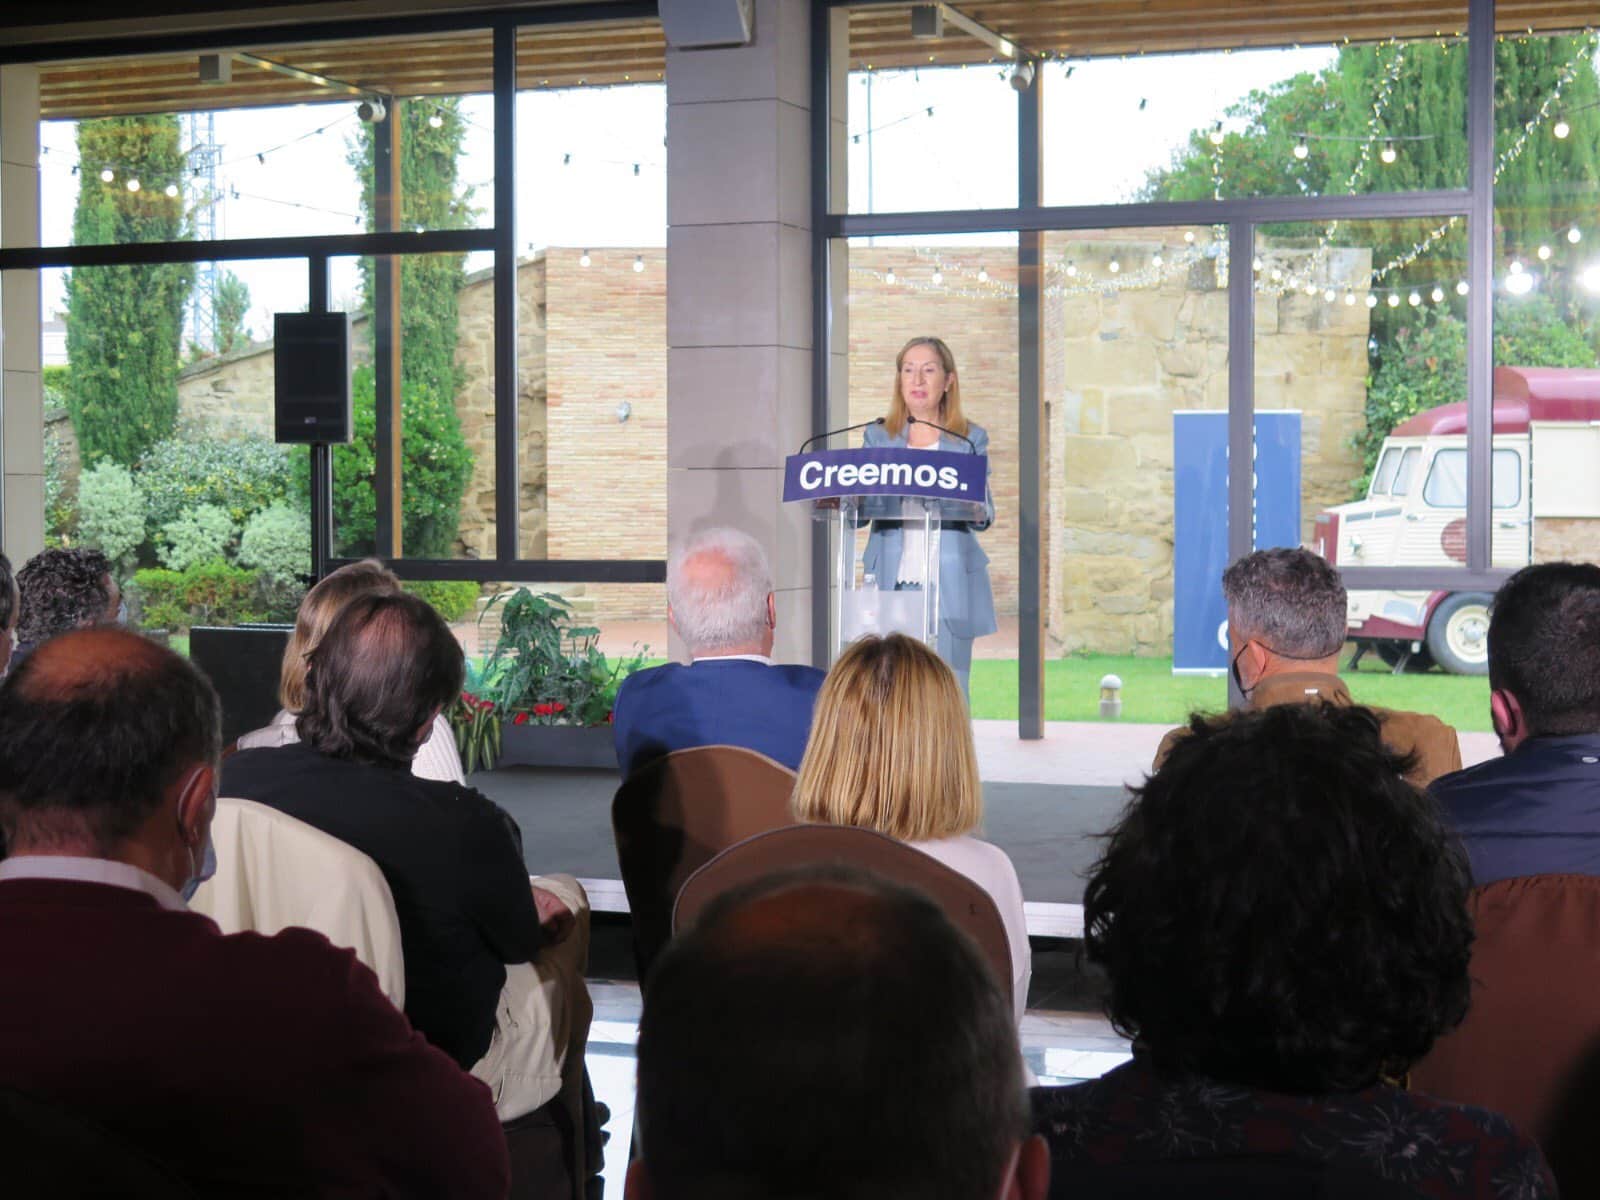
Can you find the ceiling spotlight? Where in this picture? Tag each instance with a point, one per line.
(1022, 75)
(1561, 128)
(1216, 134)
(371, 110)
(435, 121)
(1574, 235)
(108, 175)
(1462, 289)
(171, 191)
(1544, 253)
(638, 262)
(1437, 295)
(584, 260)
(1388, 153)
(133, 185)
(1301, 150)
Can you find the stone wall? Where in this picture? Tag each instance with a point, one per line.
(1120, 357)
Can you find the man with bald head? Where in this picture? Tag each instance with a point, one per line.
(823, 1033)
(245, 1065)
(721, 601)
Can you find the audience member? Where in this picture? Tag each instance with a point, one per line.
(721, 602)
(10, 609)
(1287, 616)
(62, 590)
(453, 859)
(436, 758)
(1533, 812)
(1284, 926)
(246, 1065)
(892, 750)
(823, 1033)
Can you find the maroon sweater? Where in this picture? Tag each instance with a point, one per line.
(249, 1065)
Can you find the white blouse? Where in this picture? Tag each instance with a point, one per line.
(990, 868)
(436, 759)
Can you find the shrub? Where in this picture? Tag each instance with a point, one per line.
(241, 474)
(205, 593)
(277, 542)
(60, 496)
(155, 599)
(111, 511)
(452, 599)
(199, 535)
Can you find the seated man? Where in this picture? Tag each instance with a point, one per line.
(62, 590)
(10, 603)
(1283, 923)
(822, 1033)
(1286, 625)
(720, 600)
(452, 858)
(245, 1065)
(1536, 811)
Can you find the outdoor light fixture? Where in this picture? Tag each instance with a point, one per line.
(1372, 301)
(171, 191)
(1591, 277)
(1561, 128)
(888, 276)
(1301, 149)
(937, 277)
(1544, 253)
(1388, 153)
(638, 262)
(1329, 295)
(435, 121)
(1415, 299)
(1156, 260)
(1437, 294)
(1349, 299)
(1394, 299)
(1072, 269)
(133, 185)
(1520, 283)
(371, 110)
(1574, 235)
(1113, 266)
(1216, 134)
(1462, 289)
(1022, 75)
(983, 275)
(108, 175)
(584, 260)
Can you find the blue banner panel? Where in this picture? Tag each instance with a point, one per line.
(886, 471)
(1200, 522)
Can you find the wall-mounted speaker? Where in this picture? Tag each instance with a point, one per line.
(311, 376)
(707, 24)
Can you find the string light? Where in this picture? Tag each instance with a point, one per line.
(937, 277)
(435, 121)
(1216, 134)
(1561, 128)
(1113, 266)
(983, 275)
(1544, 253)
(1415, 299)
(1388, 154)
(1394, 299)
(638, 263)
(1437, 295)
(889, 277)
(584, 260)
(1462, 288)
(1574, 235)
(107, 175)
(1301, 149)
(1349, 299)
(171, 191)
(1372, 301)
(133, 185)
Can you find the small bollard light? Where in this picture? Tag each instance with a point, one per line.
(1110, 697)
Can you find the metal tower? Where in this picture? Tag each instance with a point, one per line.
(203, 199)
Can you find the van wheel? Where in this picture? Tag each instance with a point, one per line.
(1392, 652)
(1458, 634)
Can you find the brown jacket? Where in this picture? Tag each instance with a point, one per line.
(1430, 740)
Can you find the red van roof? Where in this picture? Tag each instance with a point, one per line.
(1521, 394)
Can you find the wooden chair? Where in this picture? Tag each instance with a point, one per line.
(1530, 1045)
(678, 812)
(969, 907)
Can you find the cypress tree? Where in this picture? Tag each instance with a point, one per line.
(125, 323)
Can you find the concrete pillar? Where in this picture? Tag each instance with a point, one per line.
(739, 296)
(21, 384)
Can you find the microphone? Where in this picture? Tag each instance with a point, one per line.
(911, 420)
(835, 432)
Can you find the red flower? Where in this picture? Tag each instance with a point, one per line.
(611, 717)
(520, 719)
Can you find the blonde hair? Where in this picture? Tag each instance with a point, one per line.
(950, 415)
(317, 611)
(891, 745)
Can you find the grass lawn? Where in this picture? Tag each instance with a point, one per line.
(1152, 694)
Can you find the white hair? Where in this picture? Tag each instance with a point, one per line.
(728, 609)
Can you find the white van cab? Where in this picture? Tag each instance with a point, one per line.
(1545, 505)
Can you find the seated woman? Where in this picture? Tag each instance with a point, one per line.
(438, 757)
(891, 749)
(1283, 922)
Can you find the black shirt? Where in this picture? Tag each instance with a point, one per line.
(453, 860)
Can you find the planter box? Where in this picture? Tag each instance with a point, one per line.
(589, 746)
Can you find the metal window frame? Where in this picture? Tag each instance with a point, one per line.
(499, 239)
(1241, 218)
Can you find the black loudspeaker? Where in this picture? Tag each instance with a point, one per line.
(311, 376)
(706, 24)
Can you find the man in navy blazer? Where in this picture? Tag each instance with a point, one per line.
(1536, 811)
(720, 600)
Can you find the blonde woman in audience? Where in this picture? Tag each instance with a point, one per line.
(891, 750)
(438, 757)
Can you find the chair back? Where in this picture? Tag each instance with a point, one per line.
(969, 907)
(1530, 1045)
(679, 811)
(243, 663)
(274, 871)
(1244, 1178)
(49, 1151)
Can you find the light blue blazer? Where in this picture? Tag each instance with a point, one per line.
(966, 601)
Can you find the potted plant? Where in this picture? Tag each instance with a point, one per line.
(544, 696)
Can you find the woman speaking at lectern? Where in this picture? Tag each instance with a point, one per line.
(925, 414)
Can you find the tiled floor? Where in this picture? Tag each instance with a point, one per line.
(1059, 1047)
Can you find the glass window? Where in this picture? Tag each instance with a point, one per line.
(1408, 468)
(1446, 486)
(146, 149)
(1383, 478)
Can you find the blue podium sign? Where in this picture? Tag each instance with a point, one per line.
(886, 471)
(1200, 523)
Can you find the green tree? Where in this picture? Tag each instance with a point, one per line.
(233, 305)
(431, 198)
(125, 323)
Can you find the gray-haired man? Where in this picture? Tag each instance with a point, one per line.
(1286, 626)
(720, 600)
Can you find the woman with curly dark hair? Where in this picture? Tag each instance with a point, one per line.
(1283, 922)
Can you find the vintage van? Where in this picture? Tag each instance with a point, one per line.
(1545, 506)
